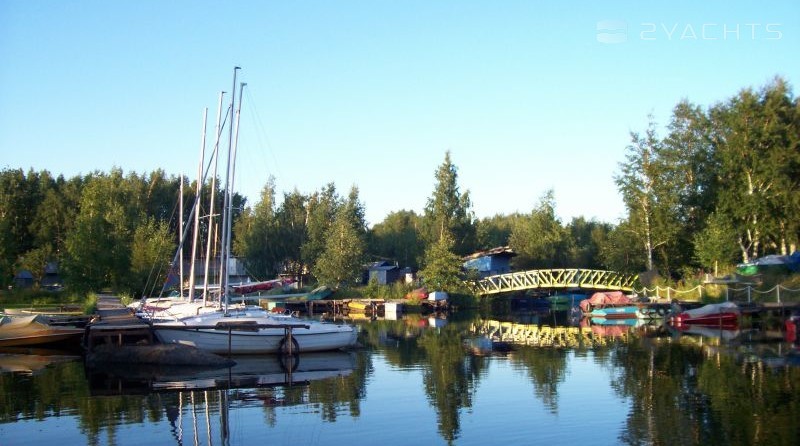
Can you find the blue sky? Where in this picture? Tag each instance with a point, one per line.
(526, 95)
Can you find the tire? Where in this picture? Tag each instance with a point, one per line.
(283, 348)
(289, 363)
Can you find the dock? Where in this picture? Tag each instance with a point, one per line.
(115, 324)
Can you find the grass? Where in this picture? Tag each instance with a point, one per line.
(40, 299)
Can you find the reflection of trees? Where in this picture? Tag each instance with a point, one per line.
(679, 395)
(450, 381)
(547, 368)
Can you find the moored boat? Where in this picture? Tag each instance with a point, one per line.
(255, 331)
(721, 314)
(36, 330)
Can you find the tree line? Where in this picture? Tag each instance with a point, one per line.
(720, 187)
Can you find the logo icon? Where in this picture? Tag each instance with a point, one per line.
(612, 31)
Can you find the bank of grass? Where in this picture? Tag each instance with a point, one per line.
(31, 299)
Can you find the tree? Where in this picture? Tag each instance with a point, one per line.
(650, 199)
(690, 173)
(448, 211)
(716, 243)
(495, 231)
(397, 238)
(539, 239)
(339, 265)
(256, 235)
(620, 250)
(321, 209)
(151, 250)
(36, 261)
(756, 145)
(291, 221)
(442, 271)
(585, 238)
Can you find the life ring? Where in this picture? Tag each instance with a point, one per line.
(283, 348)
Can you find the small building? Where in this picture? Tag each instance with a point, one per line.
(382, 272)
(490, 262)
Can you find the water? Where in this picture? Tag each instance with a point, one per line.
(430, 382)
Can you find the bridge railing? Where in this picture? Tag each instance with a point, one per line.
(555, 278)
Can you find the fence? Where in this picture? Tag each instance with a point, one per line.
(778, 293)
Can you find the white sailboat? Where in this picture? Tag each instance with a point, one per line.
(249, 330)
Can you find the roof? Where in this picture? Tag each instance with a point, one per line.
(499, 251)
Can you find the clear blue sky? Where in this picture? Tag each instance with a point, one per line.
(527, 95)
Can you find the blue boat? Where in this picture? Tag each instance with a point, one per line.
(623, 312)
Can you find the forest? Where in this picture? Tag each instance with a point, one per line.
(715, 186)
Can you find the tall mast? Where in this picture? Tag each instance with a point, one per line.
(225, 254)
(215, 155)
(180, 231)
(197, 201)
(233, 169)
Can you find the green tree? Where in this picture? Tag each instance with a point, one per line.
(398, 238)
(151, 250)
(339, 265)
(495, 231)
(755, 138)
(539, 239)
(291, 220)
(36, 261)
(256, 235)
(585, 241)
(620, 251)
(442, 271)
(649, 197)
(716, 244)
(321, 209)
(449, 211)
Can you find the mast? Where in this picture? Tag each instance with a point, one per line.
(233, 170)
(180, 231)
(198, 191)
(215, 155)
(225, 254)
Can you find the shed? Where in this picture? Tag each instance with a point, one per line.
(490, 262)
(382, 272)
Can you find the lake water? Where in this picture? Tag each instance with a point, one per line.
(430, 381)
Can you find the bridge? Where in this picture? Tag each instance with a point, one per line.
(555, 278)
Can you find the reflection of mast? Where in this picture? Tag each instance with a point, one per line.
(223, 416)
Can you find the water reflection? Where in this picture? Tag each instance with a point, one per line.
(697, 386)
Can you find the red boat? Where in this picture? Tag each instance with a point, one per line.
(254, 287)
(723, 314)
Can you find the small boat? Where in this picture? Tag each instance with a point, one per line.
(36, 330)
(623, 312)
(722, 314)
(255, 287)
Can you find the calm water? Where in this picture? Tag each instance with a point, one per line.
(430, 382)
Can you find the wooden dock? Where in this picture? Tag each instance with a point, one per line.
(115, 324)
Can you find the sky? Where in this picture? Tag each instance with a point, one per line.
(527, 96)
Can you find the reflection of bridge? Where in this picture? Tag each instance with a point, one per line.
(546, 336)
(555, 278)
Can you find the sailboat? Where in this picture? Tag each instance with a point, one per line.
(243, 329)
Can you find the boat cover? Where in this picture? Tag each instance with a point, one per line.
(711, 309)
(601, 299)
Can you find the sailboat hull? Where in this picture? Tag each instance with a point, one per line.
(318, 337)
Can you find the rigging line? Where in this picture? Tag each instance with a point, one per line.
(261, 133)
